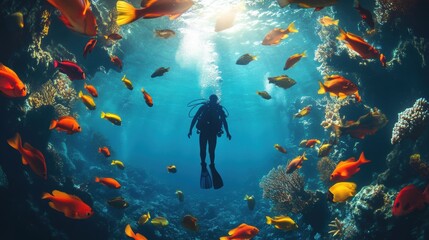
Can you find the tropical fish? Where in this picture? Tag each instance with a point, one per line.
(327, 21)
(367, 124)
(282, 222)
(282, 81)
(359, 45)
(130, 233)
(144, 218)
(159, 222)
(277, 34)
(250, 201)
(90, 45)
(113, 118)
(279, 148)
(241, 232)
(165, 33)
(190, 222)
(77, 15)
(151, 9)
(383, 60)
(109, 182)
(18, 19)
(71, 69)
(118, 202)
(302, 112)
(346, 169)
(324, 150)
(30, 156)
(245, 59)
(180, 195)
(264, 94)
(147, 98)
(113, 37)
(105, 151)
(410, 199)
(127, 83)
(342, 191)
(71, 205)
(309, 143)
(339, 86)
(10, 84)
(116, 61)
(365, 14)
(66, 124)
(295, 163)
(317, 4)
(172, 169)
(87, 100)
(226, 19)
(118, 164)
(91, 90)
(290, 62)
(159, 72)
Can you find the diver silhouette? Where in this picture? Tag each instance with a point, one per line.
(210, 117)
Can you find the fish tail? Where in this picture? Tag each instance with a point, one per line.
(126, 13)
(283, 3)
(143, 91)
(80, 94)
(322, 89)
(303, 156)
(304, 54)
(362, 159)
(269, 220)
(113, 162)
(15, 142)
(55, 63)
(46, 195)
(343, 35)
(357, 96)
(291, 27)
(224, 238)
(129, 232)
(123, 78)
(99, 149)
(103, 115)
(53, 124)
(336, 22)
(97, 179)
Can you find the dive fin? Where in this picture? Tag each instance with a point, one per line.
(205, 178)
(217, 179)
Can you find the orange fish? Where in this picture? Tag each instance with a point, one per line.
(359, 45)
(151, 9)
(295, 163)
(339, 86)
(327, 21)
(105, 151)
(346, 169)
(293, 59)
(302, 112)
(109, 182)
(91, 90)
(277, 34)
(77, 15)
(130, 233)
(10, 84)
(241, 232)
(117, 61)
(90, 45)
(309, 143)
(66, 124)
(383, 60)
(279, 148)
(30, 156)
(147, 98)
(71, 205)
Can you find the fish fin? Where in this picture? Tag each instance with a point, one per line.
(143, 91)
(66, 117)
(103, 115)
(304, 54)
(362, 159)
(129, 232)
(322, 89)
(283, 3)
(270, 220)
(80, 94)
(350, 160)
(172, 17)
(356, 37)
(148, 3)
(53, 124)
(126, 13)
(8, 70)
(99, 149)
(342, 95)
(277, 226)
(86, 7)
(343, 35)
(46, 195)
(52, 205)
(357, 97)
(15, 142)
(291, 28)
(303, 5)
(65, 21)
(224, 238)
(336, 22)
(140, 237)
(97, 179)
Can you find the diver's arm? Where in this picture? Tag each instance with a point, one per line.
(225, 124)
(194, 120)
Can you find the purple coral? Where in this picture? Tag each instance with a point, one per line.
(411, 121)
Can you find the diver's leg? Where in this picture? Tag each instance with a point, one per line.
(203, 147)
(212, 147)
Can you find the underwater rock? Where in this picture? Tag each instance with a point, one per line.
(325, 166)
(421, 167)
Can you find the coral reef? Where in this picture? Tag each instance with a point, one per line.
(337, 227)
(421, 167)
(387, 10)
(325, 166)
(411, 122)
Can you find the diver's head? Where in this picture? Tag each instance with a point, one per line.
(213, 99)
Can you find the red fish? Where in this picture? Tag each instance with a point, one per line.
(30, 156)
(346, 169)
(77, 15)
(410, 199)
(295, 163)
(151, 9)
(91, 90)
(90, 45)
(105, 151)
(71, 69)
(241, 232)
(365, 14)
(66, 124)
(147, 98)
(10, 84)
(276, 35)
(71, 205)
(339, 86)
(117, 61)
(293, 59)
(309, 143)
(109, 182)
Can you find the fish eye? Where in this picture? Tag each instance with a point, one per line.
(88, 214)
(397, 205)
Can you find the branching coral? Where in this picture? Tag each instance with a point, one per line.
(419, 166)
(285, 190)
(411, 121)
(332, 111)
(337, 227)
(35, 48)
(325, 166)
(386, 10)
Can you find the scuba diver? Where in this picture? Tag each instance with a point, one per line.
(210, 117)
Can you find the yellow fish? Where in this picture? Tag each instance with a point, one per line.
(303, 112)
(180, 195)
(159, 222)
(264, 94)
(118, 164)
(87, 100)
(144, 218)
(342, 191)
(324, 150)
(250, 201)
(282, 222)
(113, 118)
(127, 83)
(327, 21)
